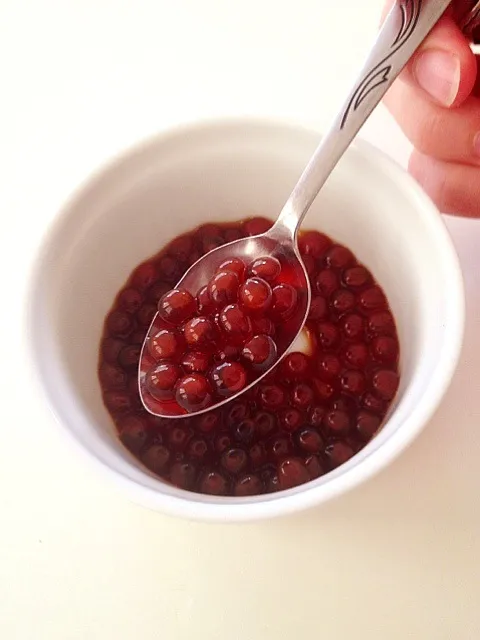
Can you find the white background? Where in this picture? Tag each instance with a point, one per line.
(396, 559)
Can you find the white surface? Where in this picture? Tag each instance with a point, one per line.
(253, 166)
(398, 558)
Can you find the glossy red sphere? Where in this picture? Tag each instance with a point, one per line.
(236, 265)
(223, 288)
(284, 301)
(199, 333)
(228, 378)
(313, 243)
(256, 226)
(161, 380)
(295, 365)
(195, 361)
(260, 352)
(177, 306)
(130, 300)
(234, 322)
(291, 473)
(255, 295)
(166, 344)
(326, 282)
(267, 268)
(193, 392)
(205, 305)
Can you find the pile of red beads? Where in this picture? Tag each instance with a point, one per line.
(311, 414)
(206, 348)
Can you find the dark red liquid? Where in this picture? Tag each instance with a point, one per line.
(309, 416)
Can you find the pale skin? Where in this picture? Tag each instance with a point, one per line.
(436, 102)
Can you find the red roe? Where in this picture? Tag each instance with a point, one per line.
(310, 415)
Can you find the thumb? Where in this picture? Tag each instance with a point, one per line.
(444, 67)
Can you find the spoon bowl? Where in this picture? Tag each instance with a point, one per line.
(277, 242)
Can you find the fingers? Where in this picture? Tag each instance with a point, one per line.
(450, 135)
(454, 188)
(444, 67)
(437, 104)
(442, 73)
(447, 66)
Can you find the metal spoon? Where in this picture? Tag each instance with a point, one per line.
(404, 29)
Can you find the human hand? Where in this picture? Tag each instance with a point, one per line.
(436, 102)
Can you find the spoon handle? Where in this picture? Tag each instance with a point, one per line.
(404, 29)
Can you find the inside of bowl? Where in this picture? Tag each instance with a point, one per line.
(220, 173)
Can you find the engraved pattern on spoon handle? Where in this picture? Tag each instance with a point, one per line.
(403, 31)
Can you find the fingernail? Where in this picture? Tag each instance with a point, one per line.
(438, 73)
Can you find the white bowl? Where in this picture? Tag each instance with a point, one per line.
(227, 171)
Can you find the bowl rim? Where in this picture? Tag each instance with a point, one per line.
(308, 495)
